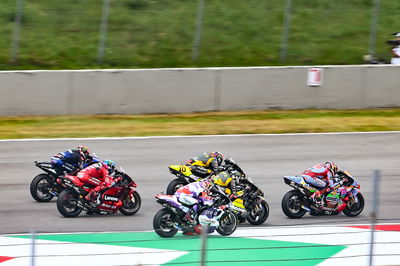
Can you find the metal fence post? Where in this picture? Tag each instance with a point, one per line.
(197, 34)
(285, 30)
(33, 251)
(374, 28)
(204, 231)
(103, 31)
(19, 4)
(374, 213)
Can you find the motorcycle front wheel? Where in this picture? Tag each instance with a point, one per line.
(131, 206)
(291, 204)
(175, 184)
(259, 214)
(41, 187)
(355, 208)
(227, 223)
(163, 223)
(67, 203)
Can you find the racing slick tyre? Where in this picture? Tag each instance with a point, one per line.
(41, 188)
(227, 223)
(163, 223)
(355, 209)
(259, 214)
(291, 204)
(67, 203)
(175, 184)
(130, 207)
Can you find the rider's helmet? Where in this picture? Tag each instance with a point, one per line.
(218, 157)
(331, 166)
(222, 179)
(110, 165)
(85, 152)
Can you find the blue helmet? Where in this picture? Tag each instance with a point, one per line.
(110, 165)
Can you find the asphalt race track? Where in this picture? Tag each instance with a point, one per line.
(265, 158)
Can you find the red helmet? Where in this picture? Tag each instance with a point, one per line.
(331, 166)
(85, 151)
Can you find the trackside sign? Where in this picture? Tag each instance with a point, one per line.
(314, 77)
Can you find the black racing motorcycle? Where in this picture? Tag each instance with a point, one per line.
(46, 185)
(250, 196)
(183, 175)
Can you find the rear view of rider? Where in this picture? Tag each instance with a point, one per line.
(228, 182)
(73, 160)
(321, 177)
(99, 175)
(206, 164)
(191, 195)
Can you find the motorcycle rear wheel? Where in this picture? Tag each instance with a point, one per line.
(40, 188)
(357, 208)
(67, 203)
(291, 204)
(163, 223)
(257, 217)
(130, 207)
(175, 184)
(227, 224)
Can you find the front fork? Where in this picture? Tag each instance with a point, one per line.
(353, 199)
(130, 194)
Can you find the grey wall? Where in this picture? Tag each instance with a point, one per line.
(197, 89)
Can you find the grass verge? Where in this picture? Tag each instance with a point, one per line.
(241, 122)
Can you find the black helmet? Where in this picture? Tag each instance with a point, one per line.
(218, 157)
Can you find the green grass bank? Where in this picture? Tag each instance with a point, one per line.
(58, 34)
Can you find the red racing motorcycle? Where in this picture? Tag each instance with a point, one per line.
(121, 197)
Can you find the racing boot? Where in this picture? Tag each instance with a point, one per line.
(94, 194)
(91, 196)
(317, 199)
(197, 230)
(189, 217)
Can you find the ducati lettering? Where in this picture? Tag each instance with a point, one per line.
(107, 206)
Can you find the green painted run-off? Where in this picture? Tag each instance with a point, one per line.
(220, 250)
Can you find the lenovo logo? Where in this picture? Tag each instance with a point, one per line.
(110, 198)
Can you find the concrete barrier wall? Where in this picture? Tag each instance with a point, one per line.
(195, 90)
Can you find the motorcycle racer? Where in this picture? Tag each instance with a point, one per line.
(98, 174)
(227, 181)
(73, 160)
(321, 177)
(191, 195)
(206, 164)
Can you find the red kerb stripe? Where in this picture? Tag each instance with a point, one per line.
(4, 258)
(383, 227)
